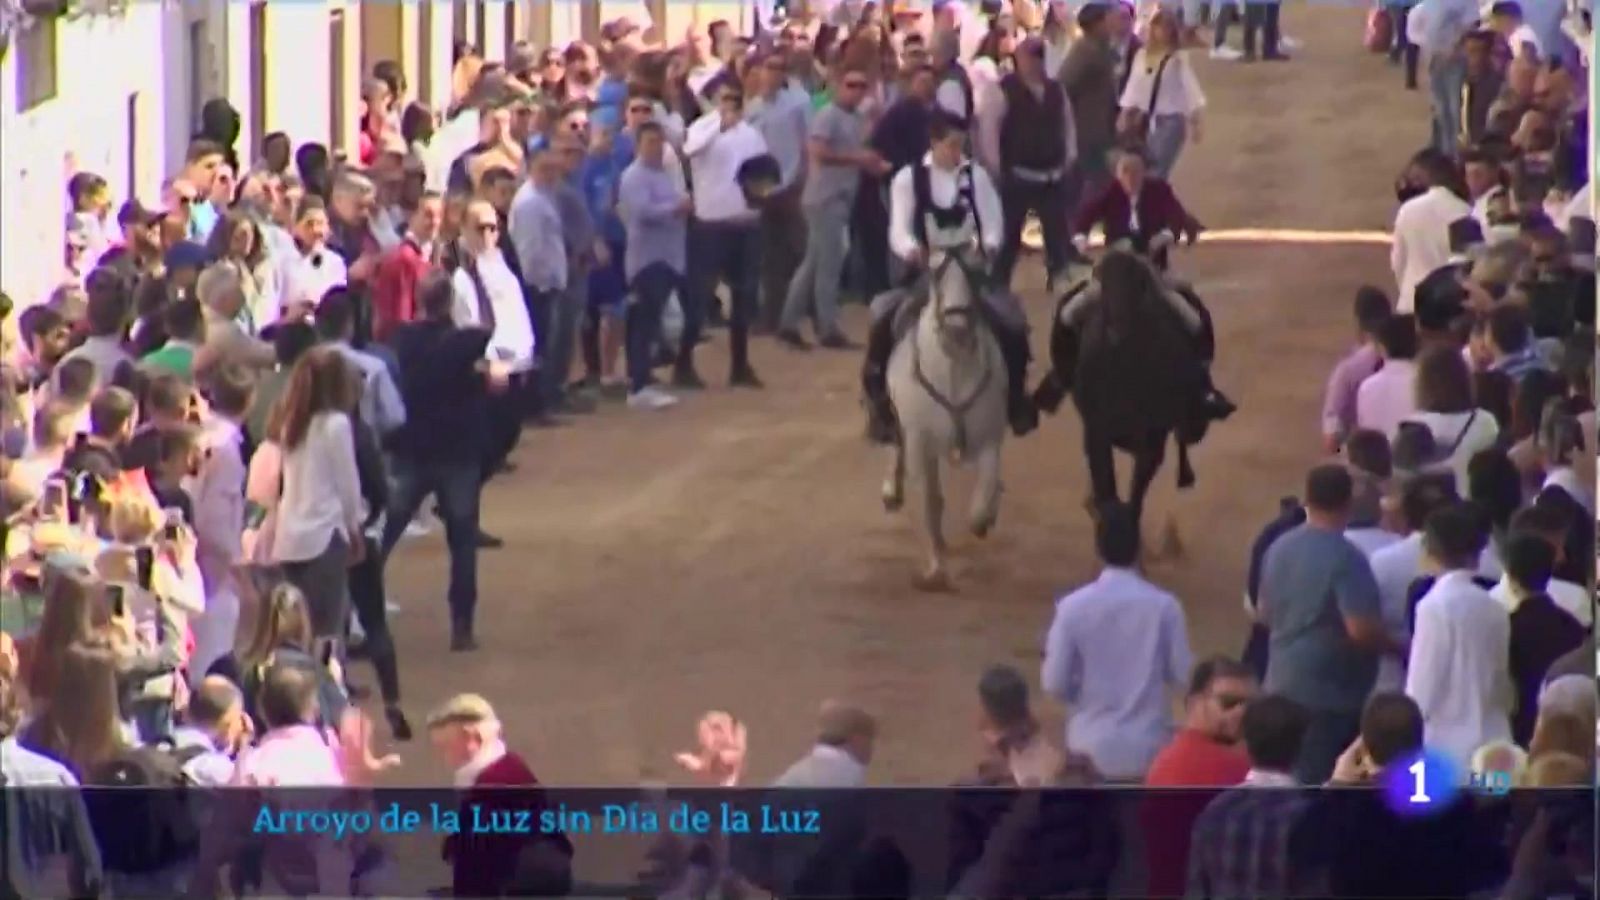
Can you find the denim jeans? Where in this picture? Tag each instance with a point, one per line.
(815, 286)
(1168, 134)
(1327, 735)
(1446, 74)
(456, 485)
(651, 288)
(566, 308)
(721, 252)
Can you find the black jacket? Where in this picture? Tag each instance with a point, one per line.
(446, 401)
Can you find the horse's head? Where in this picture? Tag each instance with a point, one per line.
(954, 278)
(1127, 283)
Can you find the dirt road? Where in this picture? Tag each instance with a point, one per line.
(732, 553)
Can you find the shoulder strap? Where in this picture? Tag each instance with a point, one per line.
(922, 189)
(1456, 444)
(969, 192)
(1155, 87)
(485, 308)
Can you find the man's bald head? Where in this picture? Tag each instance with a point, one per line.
(213, 701)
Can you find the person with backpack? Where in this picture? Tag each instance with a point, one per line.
(282, 635)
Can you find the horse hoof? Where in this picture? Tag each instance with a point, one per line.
(935, 581)
(982, 527)
(892, 501)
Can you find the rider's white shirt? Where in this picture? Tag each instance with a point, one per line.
(944, 186)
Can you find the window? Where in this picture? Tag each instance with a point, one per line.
(336, 112)
(258, 71)
(36, 64)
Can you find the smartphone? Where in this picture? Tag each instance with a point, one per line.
(56, 500)
(119, 600)
(174, 523)
(144, 559)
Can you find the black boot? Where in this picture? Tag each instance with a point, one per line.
(882, 428)
(1019, 405)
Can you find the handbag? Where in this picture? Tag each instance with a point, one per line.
(1136, 123)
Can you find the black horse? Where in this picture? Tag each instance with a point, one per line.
(1134, 352)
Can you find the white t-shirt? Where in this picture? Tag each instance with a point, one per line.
(1466, 432)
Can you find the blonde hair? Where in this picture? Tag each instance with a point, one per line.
(282, 620)
(132, 519)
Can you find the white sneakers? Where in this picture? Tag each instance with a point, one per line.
(1225, 53)
(651, 397)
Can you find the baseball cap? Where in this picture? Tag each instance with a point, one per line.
(135, 213)
(186, 255)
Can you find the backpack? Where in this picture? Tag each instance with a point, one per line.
(149, 829)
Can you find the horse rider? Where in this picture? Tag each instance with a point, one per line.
(1135, 206)
(944, 202)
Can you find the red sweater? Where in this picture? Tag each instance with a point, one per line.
(1192, 760)
(394, 288)
(1159, 210)
(484, 865)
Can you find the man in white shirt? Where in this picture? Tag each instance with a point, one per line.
(1422, 225)
(724, 236)
(1387, 397)
(944, 203)
(1115, 649)
(313, 270)
(488, 296)
(1459, 670)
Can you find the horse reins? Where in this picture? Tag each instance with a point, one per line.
(957, 411)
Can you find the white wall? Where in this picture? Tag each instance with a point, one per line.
(85, 128)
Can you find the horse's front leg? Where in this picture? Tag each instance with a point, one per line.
(1146, 464)
(894, 484)
(925, 463)
(986, 493)
(1102, 468)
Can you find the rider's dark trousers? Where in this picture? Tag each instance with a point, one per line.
(1047, 200)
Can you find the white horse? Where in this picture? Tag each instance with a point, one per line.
(948, 383)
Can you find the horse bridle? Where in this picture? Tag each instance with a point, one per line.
(957, 410)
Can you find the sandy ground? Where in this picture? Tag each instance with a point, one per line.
(732, 553)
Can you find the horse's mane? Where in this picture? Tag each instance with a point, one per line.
(1128, 290)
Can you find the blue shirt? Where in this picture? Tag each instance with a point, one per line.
(1311, 580)
(1114, 649)
(650, 203)
(537, 235)
(203, 217)
(599, 176)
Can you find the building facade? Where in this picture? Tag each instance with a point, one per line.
(119, 93)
